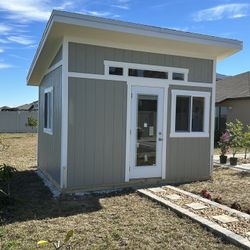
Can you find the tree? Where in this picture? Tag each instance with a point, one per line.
(236, 135)
(32, 122)
(246, 140)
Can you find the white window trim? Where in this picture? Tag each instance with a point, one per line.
(126, 66)
(49, 130)
(206, 96)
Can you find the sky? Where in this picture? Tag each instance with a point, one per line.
(22, 23)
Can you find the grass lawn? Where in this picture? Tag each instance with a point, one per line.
(123, 220)
(232, 185)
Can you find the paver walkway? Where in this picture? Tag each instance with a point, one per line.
(228, 222)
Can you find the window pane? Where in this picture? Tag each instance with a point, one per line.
(49, 109)
(198, 114)
(178, 76)
(45, 110)
(148, 73)
(146, 130)
(116, 71)
(182, 114)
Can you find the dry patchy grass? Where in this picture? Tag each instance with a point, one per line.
(119, 220)
(232, 185)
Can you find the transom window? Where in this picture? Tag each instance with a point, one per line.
(122, 69)
(190, 113)
(48, 110)
(148, 73)
(118, 71)
(178, 76)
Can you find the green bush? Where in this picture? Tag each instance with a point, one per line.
(235, 130)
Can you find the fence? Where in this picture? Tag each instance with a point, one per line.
(15, 121)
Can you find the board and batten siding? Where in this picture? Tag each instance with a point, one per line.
(188, 159)
(49, 150)
(85, 58)
(96, 133)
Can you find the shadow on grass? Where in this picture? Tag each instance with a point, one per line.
(241, 174)
(33, 200)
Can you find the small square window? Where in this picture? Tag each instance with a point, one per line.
(118, 71)
(178, 76)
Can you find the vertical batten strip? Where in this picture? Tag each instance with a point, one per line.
(64, 127)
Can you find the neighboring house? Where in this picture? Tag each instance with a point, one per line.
(124, 104)
(232, 101)
(14, 120)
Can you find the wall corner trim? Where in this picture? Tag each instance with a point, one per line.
(64, 125)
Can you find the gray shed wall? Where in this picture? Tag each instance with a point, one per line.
(188, 159)
(90, 59)
(15, 121)
(96, 132)
(49, 150)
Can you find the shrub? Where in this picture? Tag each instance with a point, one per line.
(6, 174)
(235, 130)
(246, 140)
(32, 122)
(224, 142)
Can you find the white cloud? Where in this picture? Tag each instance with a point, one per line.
(5, 66)
(4, 28)
(123, 7)
(96, 13)
(1, 50)
(31, 10)
(23, 40)
(3, 40)
(232, 10)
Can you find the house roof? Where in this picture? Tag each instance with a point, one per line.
(25, 107)
(122, 34)
(233, 87)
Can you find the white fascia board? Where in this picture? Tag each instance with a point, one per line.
(144, 30)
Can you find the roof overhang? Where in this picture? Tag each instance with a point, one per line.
(119, 34)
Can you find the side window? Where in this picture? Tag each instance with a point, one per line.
(190, 114)
(48, 110)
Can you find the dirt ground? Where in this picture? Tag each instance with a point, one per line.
(232, 185)
(115, 221)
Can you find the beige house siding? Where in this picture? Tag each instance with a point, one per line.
(238, 109)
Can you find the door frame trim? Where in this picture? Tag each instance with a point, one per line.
(146, 83)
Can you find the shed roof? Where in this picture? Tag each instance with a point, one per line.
(128, 35)
(233, 87)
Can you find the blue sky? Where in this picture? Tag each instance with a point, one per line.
(23, 21)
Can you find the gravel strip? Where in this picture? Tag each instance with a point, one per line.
(241, 227)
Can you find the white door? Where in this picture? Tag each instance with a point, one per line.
(146, 132)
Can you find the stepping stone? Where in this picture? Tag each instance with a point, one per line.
(157, 190)
(225, 218)
(173, 197)
(196, 206)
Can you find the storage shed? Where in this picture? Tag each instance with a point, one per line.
(122, 104)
